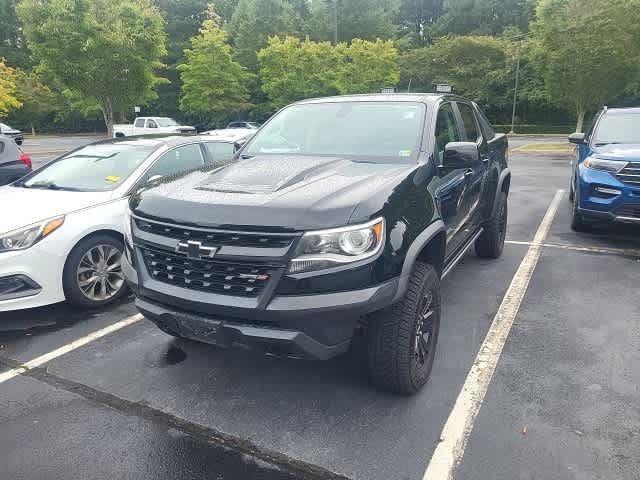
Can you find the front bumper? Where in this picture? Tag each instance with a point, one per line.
(30, 278)
(594, 205)
(316, 326)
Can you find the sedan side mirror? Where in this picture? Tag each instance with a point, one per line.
(577, 138)
(460, 155)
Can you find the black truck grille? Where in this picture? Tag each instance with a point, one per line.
(629, 211)
(217, 237)
(223, 277)
(630, 174)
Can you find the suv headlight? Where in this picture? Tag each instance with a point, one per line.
(28, 236)
(329, 248)
(612, 166)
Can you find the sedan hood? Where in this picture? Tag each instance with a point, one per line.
(622, 151)
(278, 192)
(24, 206)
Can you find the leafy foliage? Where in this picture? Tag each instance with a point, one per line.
(105, 50)
(292, 69)
(8, 93)
(254, 21)
(587, 56)
(212, 81)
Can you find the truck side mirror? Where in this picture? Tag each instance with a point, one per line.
(577, 138)
(460, 155)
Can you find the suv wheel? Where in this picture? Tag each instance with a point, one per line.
(490, 243)
(93, 275)
(402, 339)
(577, 223)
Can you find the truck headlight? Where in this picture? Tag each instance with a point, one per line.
(612, 166)
(329, 248)
(28, 236)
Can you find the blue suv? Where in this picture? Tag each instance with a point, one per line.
(605, 184)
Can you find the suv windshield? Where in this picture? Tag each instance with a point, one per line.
(368, 131)
(94, 168)
(166, 122)
(618, 128)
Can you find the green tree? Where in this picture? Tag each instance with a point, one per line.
(587, 56)
(254, 21)
(39, 103)
(12, 46)
(212, 82)
(417, 17)
(484, 17)
(292, 69)
(479, 67)
(368, 66)
(105, 50)
(364, 19)
(8, 91)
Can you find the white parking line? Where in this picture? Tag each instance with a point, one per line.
(47, 357)
(459, 425)
(606, 250)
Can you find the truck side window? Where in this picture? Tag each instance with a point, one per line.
(469, 121)
(151, 124)
(139, 123)
(446, 129)
(186, 157)
(221, 152)
(1, 146)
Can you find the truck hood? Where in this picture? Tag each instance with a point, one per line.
(24, 206)
(622, 151)
(275, 192)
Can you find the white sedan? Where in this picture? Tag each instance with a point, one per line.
(61, 226)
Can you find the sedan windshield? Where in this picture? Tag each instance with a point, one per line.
(367, 131)
(618, 128)
(166, 122)
(94, 168)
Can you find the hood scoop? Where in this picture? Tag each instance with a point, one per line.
(265, 175)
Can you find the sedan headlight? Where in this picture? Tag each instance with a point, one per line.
(27, 236)
(611, 166)
(329, 248)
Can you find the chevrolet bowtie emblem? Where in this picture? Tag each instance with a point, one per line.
(194, 249)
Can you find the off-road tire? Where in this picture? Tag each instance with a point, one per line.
(490, 243)
(392, 361)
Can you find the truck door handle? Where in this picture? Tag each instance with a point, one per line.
(485, 159)
(468, 172)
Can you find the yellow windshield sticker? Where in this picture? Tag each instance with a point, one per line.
(404, 153)
(113, 179)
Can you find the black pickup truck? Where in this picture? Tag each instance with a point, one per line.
(338, 220)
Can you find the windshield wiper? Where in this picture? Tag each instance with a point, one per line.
(246, 156)
(48, 186)
(602, 144)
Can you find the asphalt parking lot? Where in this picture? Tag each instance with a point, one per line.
(79, 401)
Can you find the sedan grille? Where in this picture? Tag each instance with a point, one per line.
(223, 277)
(630, 174)
(217, 237)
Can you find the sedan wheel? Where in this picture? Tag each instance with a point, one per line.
(93, 274)
(99, 274)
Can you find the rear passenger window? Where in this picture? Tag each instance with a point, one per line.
(1, 147)
(221, 152)
(485, 125)
(187, 157)
(469, 121)
(446, 129)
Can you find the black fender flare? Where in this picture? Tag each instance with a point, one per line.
(414, 250)
(506, 173)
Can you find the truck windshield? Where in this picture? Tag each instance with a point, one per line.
(166, 122)
(618, 128)
(94, 168)
(384, 132)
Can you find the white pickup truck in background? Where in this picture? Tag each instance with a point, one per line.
(151, 126)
